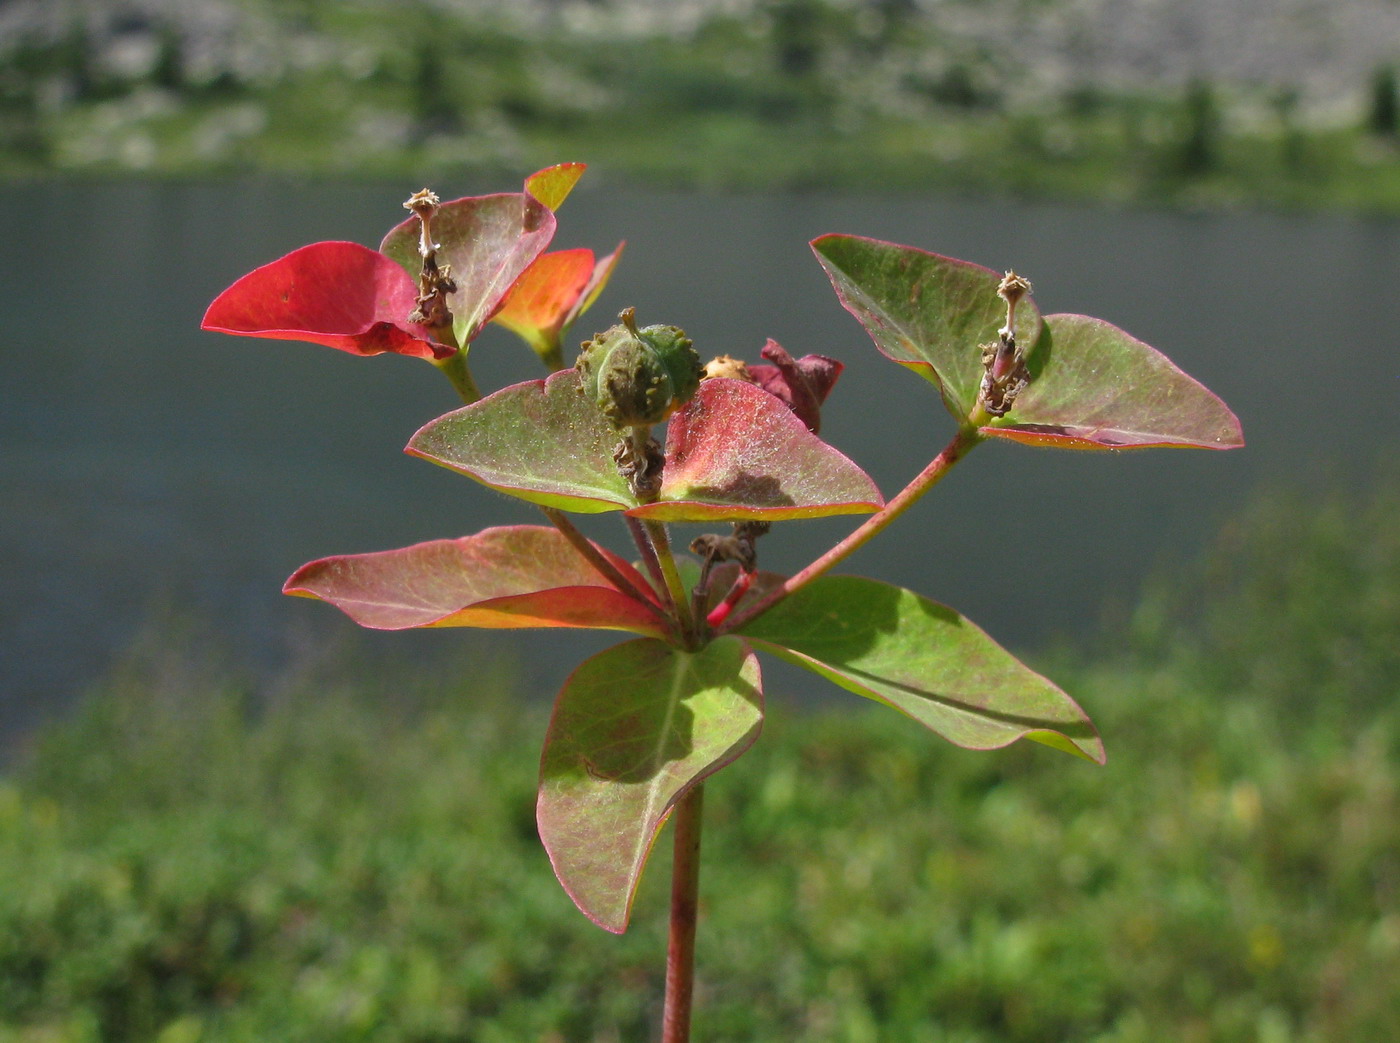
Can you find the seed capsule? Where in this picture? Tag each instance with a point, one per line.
(639, 377)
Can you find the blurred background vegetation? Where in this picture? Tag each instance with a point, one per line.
(351, 855)
(1290, 103)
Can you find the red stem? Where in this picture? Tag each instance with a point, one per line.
(925, 480)
(648, 552)
(685, 890)
(585, 547)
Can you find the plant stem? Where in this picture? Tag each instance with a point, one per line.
(685, 890)
(661, 543)
(962, 443)
(584, 546)
(455, 368)
(648, 552)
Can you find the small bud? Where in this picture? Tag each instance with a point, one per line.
(639, 377)
(727, 366)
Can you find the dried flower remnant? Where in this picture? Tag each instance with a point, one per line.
(435, 281)
(800, 384)
(803, 384)
(1004, 361)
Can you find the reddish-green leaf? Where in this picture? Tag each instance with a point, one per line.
(925, 660)
(505, 577)
(552, 185)
(552, 293)
(543, 441)
(927, 312)
(488, 241)
(342, 295)
(1095, 387)
(733, 452)
(1092, 385)
(737, 452)
(634, 729)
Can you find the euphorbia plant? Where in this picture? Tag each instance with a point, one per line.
(638, 728)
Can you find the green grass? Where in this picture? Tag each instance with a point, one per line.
(355, 859)
(414, 91)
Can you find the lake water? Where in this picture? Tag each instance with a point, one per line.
(150, 469)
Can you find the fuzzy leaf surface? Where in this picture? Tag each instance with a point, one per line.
(343, 295)
(924, 311)
(737, 452)
(1094, 386)
(633, 730)
(542, 440)
(925, 660)
(488, 241)
(733, 452)
(504, 577)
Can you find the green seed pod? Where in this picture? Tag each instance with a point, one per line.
(639, 377)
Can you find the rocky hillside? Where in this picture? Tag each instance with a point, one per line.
(201, 85)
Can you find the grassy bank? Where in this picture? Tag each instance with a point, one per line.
(357, 861)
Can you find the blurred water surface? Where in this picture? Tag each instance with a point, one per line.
(150, 469)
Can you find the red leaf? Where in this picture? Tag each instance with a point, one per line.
(802, 383)
(735, 452)
(554, 291)
(503, 577)
(342, 295)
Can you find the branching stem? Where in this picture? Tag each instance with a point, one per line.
(648, 553)
(595, 557)
(661, 543)
(962, 443)
(455, 368)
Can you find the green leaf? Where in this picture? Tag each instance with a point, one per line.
(927, 312)
(925, 660)
(488, 241)
(543, 441)
(1095, 387)
(634, 729)
(733, 452)
(737, 452)
(552, 185)
(504, 577)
